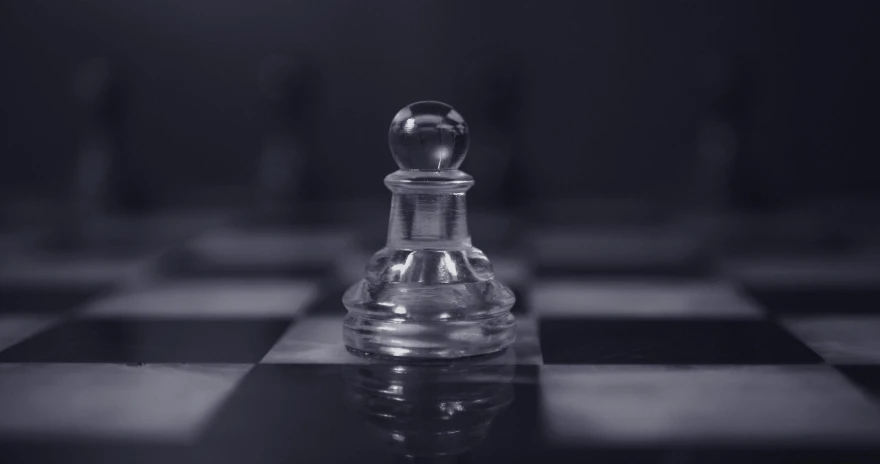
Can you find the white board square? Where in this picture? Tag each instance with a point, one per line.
(639, 299)
(213, 298)
(270, 247)
(840, 339)
(17, 327)
(153, 402)
(661, 405)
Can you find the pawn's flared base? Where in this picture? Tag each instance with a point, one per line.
(419, 321)
(395, 338)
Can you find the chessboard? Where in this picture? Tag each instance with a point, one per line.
(222, 343)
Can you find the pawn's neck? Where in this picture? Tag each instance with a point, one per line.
(428, 209)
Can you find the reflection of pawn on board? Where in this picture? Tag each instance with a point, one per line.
(284, 85)
(431, 410)
(428, 293)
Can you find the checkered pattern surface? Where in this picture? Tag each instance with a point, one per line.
(226, 347)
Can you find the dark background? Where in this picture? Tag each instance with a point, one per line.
(747, 117)
(613, 91)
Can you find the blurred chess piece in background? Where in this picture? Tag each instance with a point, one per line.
(708, 198)
(741, 205)
(499, 102)
(99, 234)
(497, 198)
(104, 180)
(431, 411)
(277, 234)
(720, 136)
(727, 186)
(287, 87)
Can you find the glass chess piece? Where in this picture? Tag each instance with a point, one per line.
(429, 293)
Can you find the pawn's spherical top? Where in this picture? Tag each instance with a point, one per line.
(428, 136)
